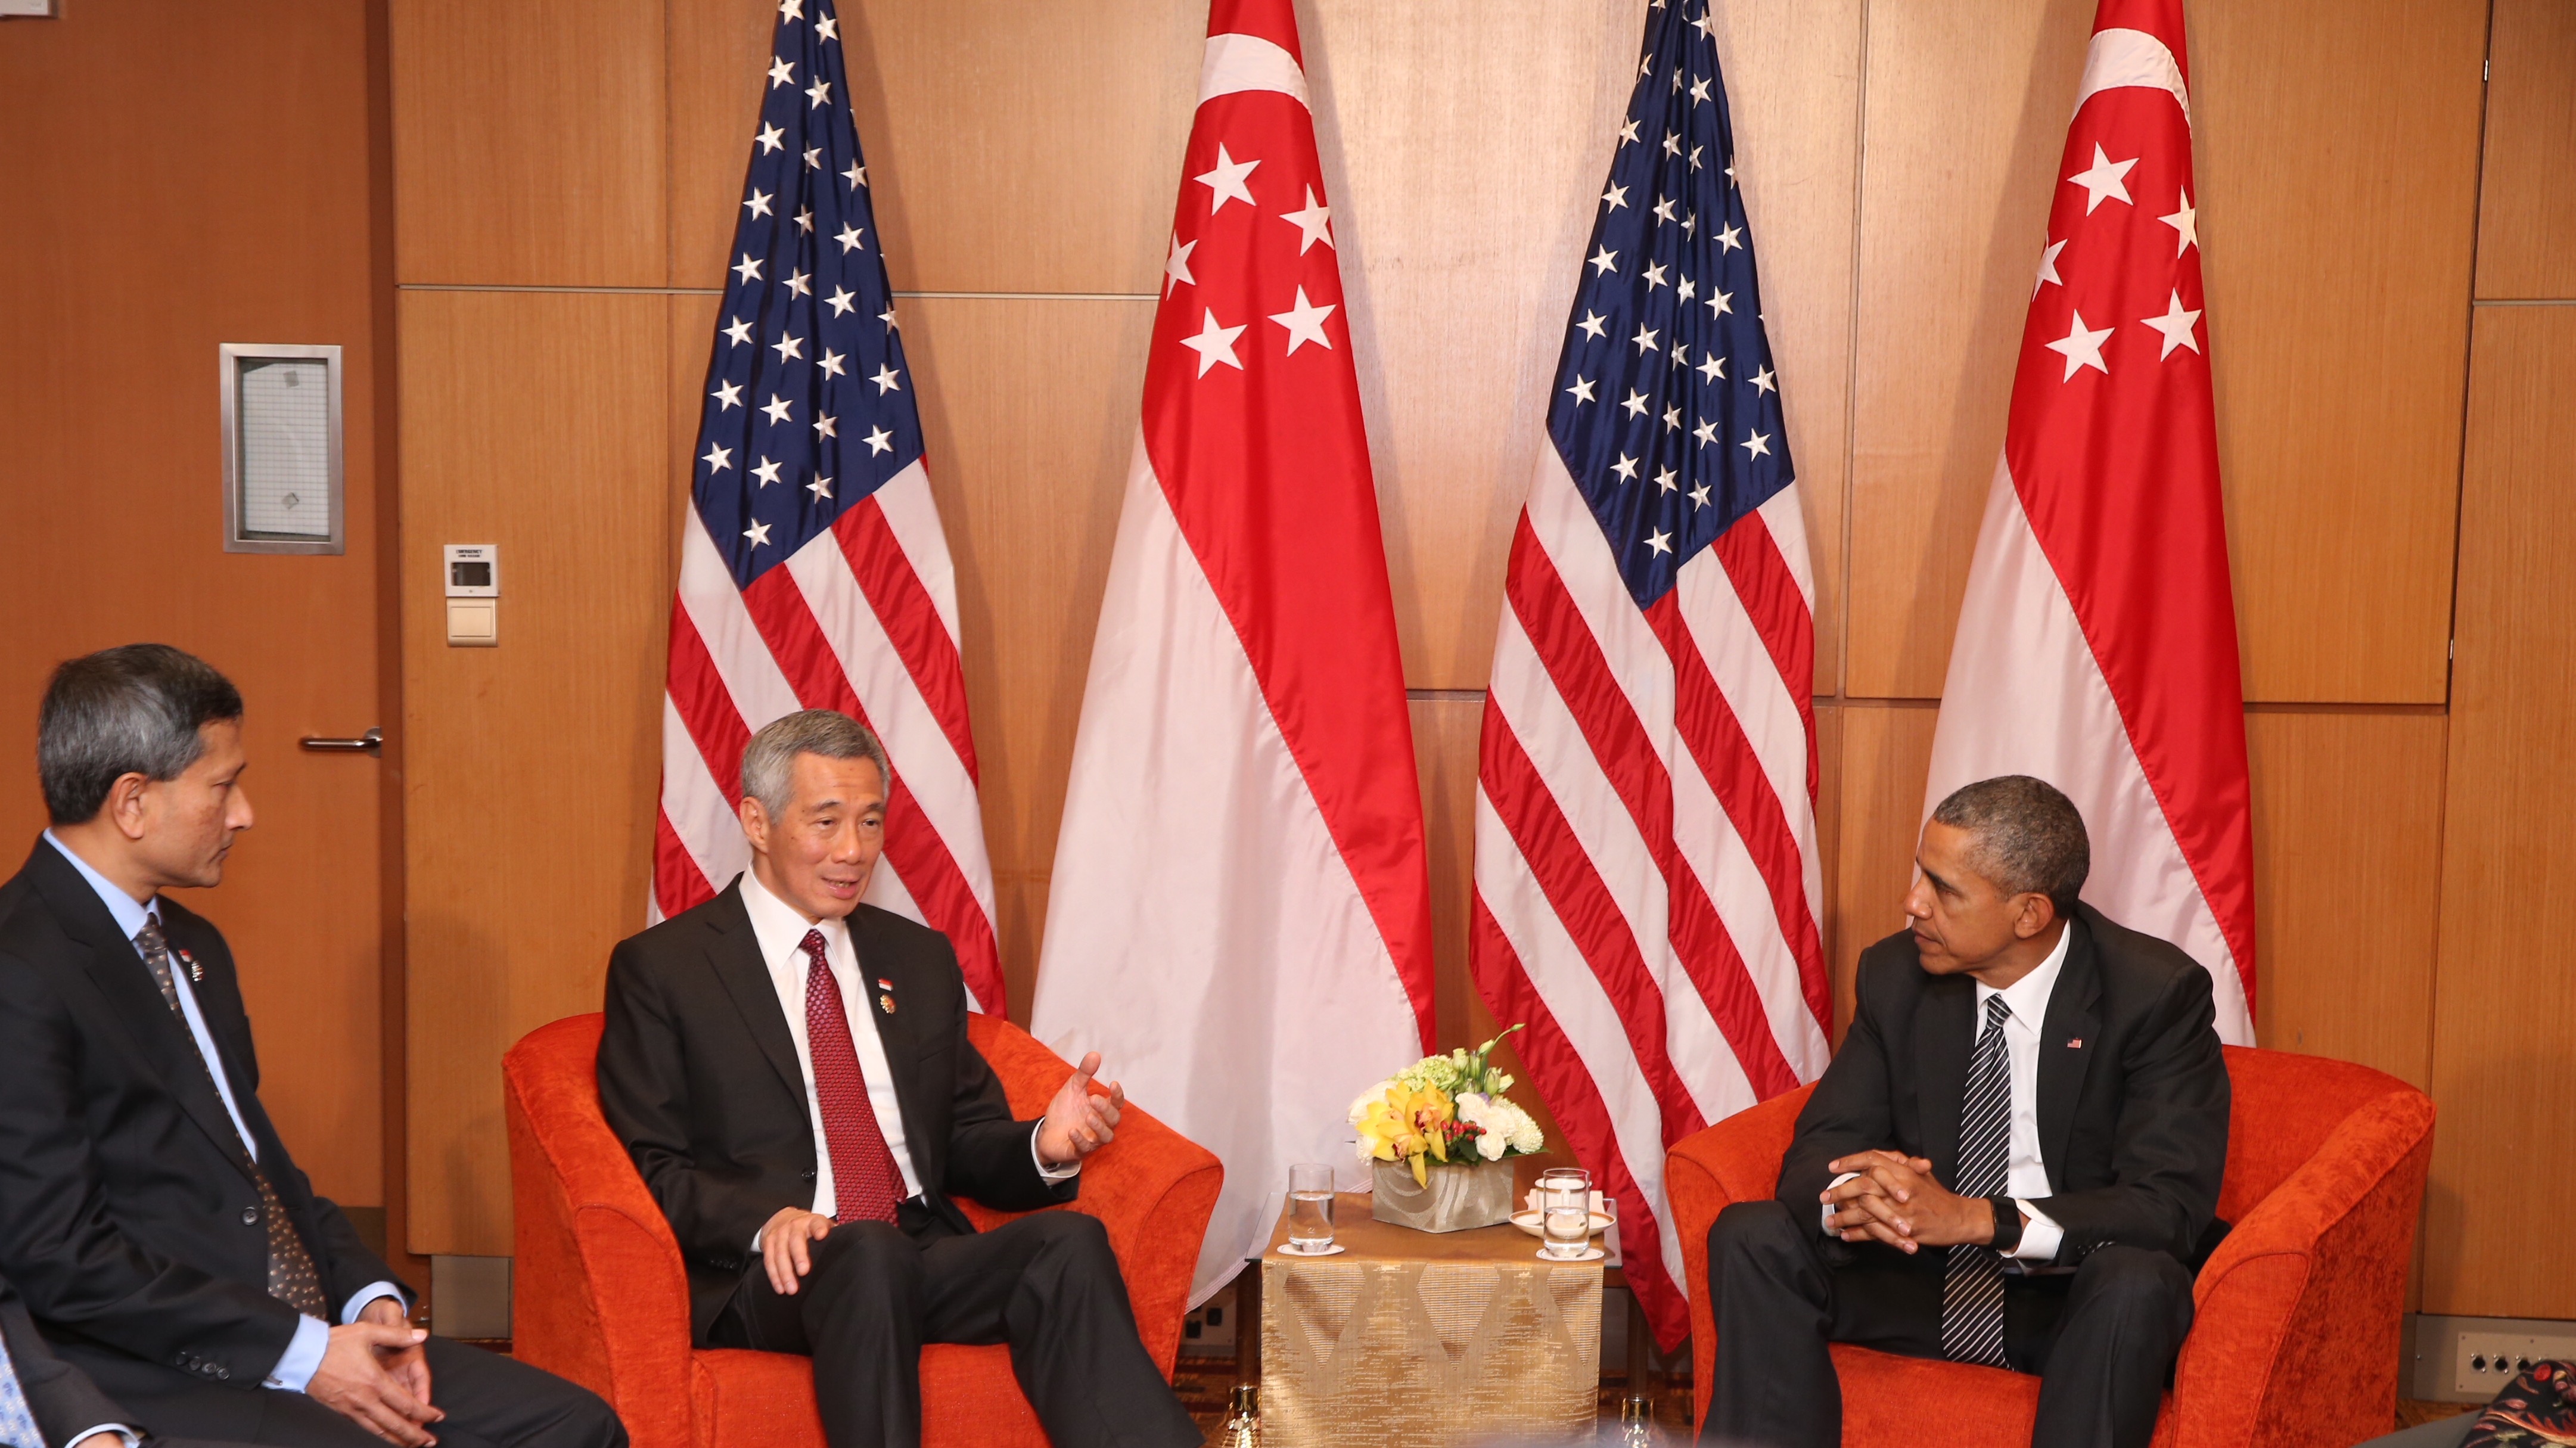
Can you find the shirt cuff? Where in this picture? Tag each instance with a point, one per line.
(132, 1436)
(358, 1300)
(1825, 1214)
(1046, 1173)
(2040, 1237)
(303, 1354)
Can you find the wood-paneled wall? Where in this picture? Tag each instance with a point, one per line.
(174, 176)
(1898, 157)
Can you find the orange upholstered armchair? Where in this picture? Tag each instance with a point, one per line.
(600, 1296)
(2295, 1341)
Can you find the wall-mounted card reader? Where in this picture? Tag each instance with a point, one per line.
(473, 570)
(473, 583)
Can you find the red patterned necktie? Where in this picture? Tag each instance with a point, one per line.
(865, 1183)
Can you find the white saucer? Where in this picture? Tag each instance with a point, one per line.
(1286, 1250)
(1590, 1254)
(1529, 1222)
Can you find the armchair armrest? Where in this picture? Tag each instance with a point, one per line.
(599, 1293)
(2295, 1338)
(1737, 1160)
(1153, 1189)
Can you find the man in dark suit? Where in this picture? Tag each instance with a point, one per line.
(2010, 1161)
(46, 1402)
(790, 1070)
(165, 1241)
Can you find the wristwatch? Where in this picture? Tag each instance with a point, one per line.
(2007, 1225)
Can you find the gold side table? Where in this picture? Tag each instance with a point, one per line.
(1411, 1339)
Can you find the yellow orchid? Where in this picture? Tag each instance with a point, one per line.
(1406, 1123)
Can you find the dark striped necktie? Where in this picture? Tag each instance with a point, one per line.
(292, 1278)
(1972, 1290)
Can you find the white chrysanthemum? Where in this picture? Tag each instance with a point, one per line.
(1366, 1099)
(1487, 1114)
(1515, 1126)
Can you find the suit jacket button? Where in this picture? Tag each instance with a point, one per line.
(224, 1375)
(809, 1174)
(250, 1216)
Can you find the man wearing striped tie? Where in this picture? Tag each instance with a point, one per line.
(2014, 1160)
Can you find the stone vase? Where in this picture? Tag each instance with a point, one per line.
(1458, 1197)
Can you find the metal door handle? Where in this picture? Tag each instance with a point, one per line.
(371, 742)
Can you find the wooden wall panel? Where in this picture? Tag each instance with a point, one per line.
(1886, 756)
(528, 142)
(1460, 208)
(2339, 424)
(157, 207)
(2506, 1009)
(532, 767)
(1029, 416)
(2526, 208)
(1011, 148)
(1965, 118)
(1445, 732)
(2347, 884)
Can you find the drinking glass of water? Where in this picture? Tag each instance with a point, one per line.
(1310, 1207)
(1565, 1214)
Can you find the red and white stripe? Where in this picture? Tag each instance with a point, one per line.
(2097, 641)
(1239, 916)
(862, 619)
(1648, 889)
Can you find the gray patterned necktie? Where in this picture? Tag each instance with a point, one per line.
(1972, 1287)
(292, 1278)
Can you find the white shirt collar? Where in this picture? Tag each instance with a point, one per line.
(2027, 998)
(129, 913)
(780, 927)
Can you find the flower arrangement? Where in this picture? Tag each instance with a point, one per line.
(1444, 1109)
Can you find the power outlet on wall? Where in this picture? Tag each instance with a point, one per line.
(2483, 1362)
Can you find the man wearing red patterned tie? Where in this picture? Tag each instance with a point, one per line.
(790, 1070)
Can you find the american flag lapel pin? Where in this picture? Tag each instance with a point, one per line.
(2076, 1044)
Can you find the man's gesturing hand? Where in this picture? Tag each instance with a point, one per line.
(1896, 1200)
(787, 1246)
(354, 1382)
(1077, 1122)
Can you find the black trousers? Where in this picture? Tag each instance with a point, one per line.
(2102, 1341)
(490, 1402)
(1047, 1284)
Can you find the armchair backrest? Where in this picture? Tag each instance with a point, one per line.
(2284, 1107)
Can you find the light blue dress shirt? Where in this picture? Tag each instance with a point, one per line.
(303, 1353)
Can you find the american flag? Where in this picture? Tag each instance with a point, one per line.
(1647, 881)
(814, 573)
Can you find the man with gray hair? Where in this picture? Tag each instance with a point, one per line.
(2014, 1159)
(163, 1239)
(790, 1071)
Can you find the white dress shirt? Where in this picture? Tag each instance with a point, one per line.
(2025, 1175)
(780, 928)
(303, 1353)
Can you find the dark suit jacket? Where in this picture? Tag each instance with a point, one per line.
(2132, 1123)
(61, 1396)
(698, 1076)
(128, 1216)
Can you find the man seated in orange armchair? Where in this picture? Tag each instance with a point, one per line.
(790, 1071)
(2010, 1162)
